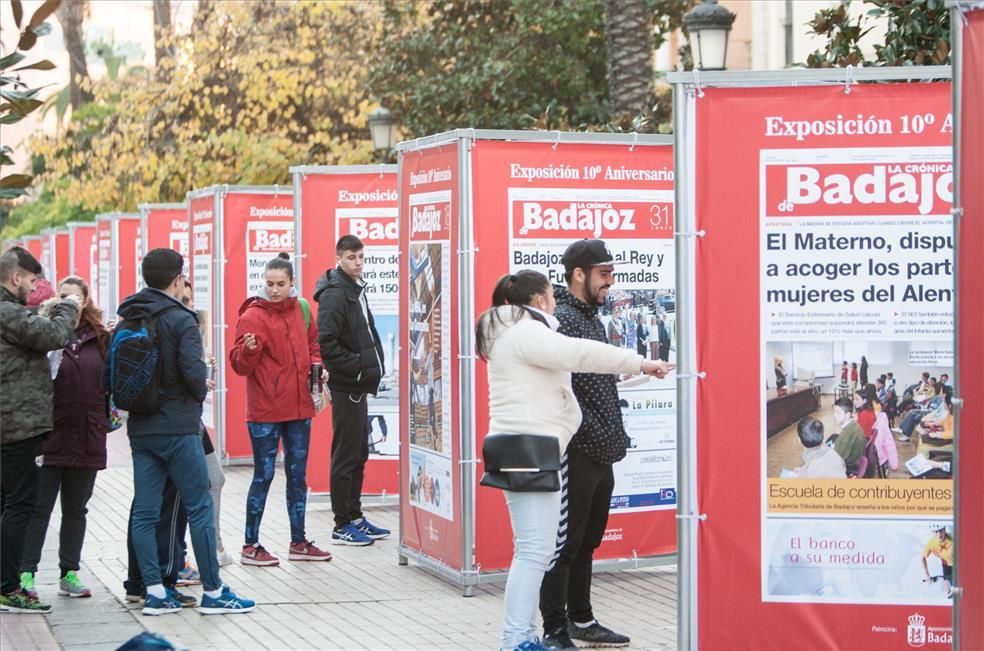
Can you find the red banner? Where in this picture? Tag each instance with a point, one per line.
(61, 257)
(365, 205)
(255, 227)
(166, 227)
(128, 256)
(826, 217)
(970, 387)
(33, 244)
(430, 453)
(531, 200)
(82, 249)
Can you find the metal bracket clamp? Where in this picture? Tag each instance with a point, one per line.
(691, 516)
(460, 356)
(700, 233)
(686, 376)
(848, 78)
(557, 141)
(635, 140)
(957, 402)
(469, 461)
(956, 212)
(697, 87)
(464, 251)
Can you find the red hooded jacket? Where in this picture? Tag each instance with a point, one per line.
(277, 370)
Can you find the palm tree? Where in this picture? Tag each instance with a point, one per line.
(163, 48)
(628, 37)
(71, 14)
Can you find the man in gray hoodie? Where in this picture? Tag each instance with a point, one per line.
(26, 408)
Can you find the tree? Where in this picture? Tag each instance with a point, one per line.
(918, 33)
(629, 47)
(515, 64)
(257, 87)
(71, 15)
(17, 99)
(163, 41)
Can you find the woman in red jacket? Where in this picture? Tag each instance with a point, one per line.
(276, 344)
(75, 450)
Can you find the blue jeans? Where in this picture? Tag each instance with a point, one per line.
(911, 420)
(534, 518)
(265, 438)
(180, 457)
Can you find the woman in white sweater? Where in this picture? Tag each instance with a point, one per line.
(529, 371)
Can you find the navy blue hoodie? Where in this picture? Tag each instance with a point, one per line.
(182, 357)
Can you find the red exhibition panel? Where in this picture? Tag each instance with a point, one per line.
(61, 256)
(430, 453)
(47, 258)
(167, 228)
(365, 205)
(796, 563)
(530, 201)
(82, 247)
(970, 523)
(128, 257)
(255, 227)
(33, 244)
(202, 225)
(103, 273)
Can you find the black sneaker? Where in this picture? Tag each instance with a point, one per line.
(186, 600)
(558, 640)
(597, 635)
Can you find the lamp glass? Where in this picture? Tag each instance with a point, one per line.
(712, 48)
(383, 133)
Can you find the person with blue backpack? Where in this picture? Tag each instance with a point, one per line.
(156, 370)
(276, 350)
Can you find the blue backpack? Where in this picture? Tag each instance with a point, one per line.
(136, 380)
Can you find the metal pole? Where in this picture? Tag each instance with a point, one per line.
(466, 361)
(686, 383)
(788, 32)
(956, 31)
(299, 257)
(403, 303)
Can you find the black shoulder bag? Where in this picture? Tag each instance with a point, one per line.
(526, 463)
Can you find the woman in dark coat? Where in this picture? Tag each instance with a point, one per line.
(76, 448)
(864, 371)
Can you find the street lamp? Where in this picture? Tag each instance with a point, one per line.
(382, 128)
(709, 24)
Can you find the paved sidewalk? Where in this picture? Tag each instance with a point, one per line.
(360, 600)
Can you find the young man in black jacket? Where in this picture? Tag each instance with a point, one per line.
(167, 444)
(565, 594)
(353, 355)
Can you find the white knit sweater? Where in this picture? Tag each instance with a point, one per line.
(529, 371)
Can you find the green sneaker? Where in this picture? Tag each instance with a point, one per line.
(70, 586)
(27, 584)
(20, 602)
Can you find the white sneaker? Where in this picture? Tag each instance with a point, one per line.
(225, 558)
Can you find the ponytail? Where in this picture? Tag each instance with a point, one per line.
(516, 289)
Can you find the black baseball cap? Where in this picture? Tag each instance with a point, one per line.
(587, 253)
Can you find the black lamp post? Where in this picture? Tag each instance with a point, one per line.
(382, 128)
(709, 24)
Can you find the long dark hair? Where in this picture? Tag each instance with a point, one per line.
(516, 289)
(91, 313)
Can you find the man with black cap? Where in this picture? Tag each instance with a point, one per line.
(565, 594)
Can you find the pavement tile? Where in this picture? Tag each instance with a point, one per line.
(362, 599)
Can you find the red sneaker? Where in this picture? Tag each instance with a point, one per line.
(306, 551)
(257, 555)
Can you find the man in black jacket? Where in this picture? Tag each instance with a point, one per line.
(167, 443)
(565, 594)
(353, 356)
